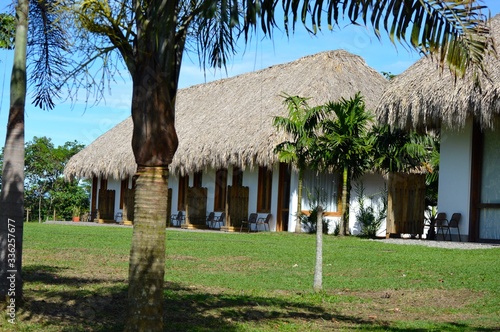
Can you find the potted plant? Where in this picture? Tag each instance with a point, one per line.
(76, 213)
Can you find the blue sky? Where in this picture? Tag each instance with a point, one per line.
(69, 122)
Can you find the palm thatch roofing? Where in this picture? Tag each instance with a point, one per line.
(426, 97)
(229, 122)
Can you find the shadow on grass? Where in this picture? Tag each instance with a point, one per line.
(98, 304)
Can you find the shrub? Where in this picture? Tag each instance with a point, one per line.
(309, 221)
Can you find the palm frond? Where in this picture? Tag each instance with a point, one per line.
(48, 43)
(216, 32)
(455, 31)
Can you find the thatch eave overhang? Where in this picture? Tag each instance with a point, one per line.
(426, 97)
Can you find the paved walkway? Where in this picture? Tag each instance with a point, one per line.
(442, 244)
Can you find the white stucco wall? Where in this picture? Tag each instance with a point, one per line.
(454, 173)
(251, 180)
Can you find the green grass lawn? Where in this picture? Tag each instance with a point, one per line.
(76, 280)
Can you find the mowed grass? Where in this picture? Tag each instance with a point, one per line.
(76, 280)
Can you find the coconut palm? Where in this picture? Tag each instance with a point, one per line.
(151, 37)
(344, 145)
(299, 126)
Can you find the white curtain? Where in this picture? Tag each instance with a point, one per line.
(320, 188)
(489, 222)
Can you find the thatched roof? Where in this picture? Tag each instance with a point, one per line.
(425, 97)
(229, 122)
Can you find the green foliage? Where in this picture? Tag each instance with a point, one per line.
(369, 217)
(344, 145)
(388, 75)
(46, 189)
(344, 140)
(7, 30)
(397, 150)
(309, 221)
(299, 125)
(430, 26)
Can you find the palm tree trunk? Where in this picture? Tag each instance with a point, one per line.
(318, 269)
(12, 195)
(154, 143)
(40, 209)
(298, 226)
(344, 222)
(147, 255)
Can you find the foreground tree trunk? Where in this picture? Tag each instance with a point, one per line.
(318, 269)
(155, 75)
(154, 143)
(147, 255)
(154, 65)
(12, 195)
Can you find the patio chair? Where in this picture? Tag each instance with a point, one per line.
(453, 223)
(441, 223)
(263, 221)
(252, 219)
(177, 219)
(219, 220)
(210, 220)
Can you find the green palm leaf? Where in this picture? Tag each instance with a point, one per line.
(454, 30)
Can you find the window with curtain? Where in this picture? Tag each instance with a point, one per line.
(320, 188)
(489, 215)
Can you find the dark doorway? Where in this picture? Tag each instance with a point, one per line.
(282, 215)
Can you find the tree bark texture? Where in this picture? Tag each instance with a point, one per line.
(147, 254)
(154, 139)
(12, 194)
(155, 70)
(318, 268)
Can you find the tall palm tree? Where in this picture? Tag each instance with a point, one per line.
(12, 195)
(41, 24)
(344, 145)
(151, 37)
(299, 126)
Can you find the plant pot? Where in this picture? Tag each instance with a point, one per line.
(76, 219)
